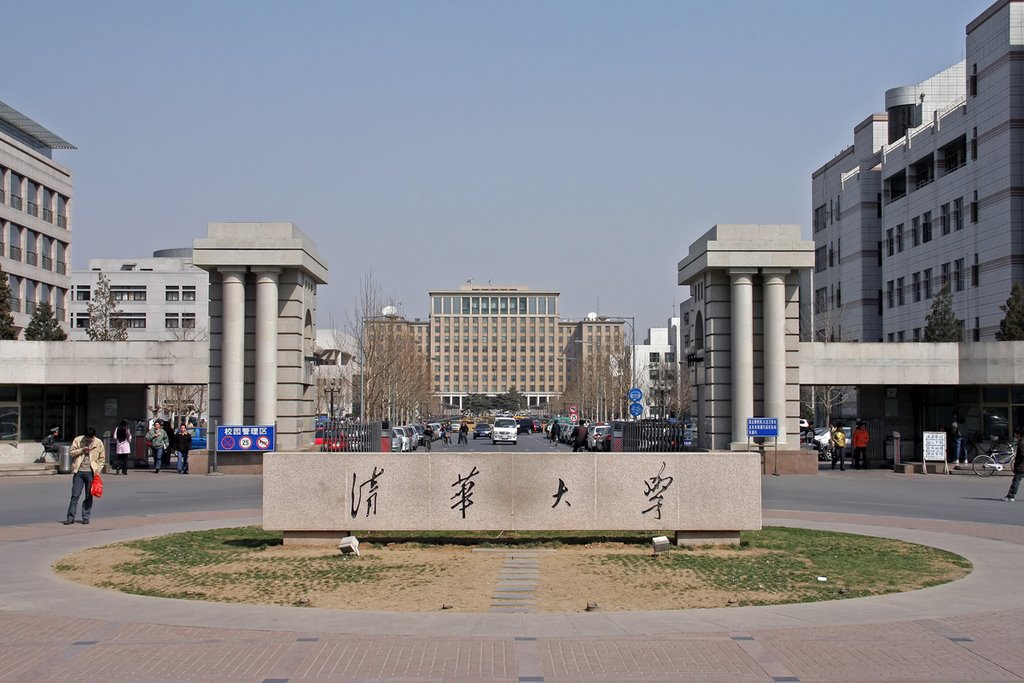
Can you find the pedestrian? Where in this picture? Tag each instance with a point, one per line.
(89, 459)
(1018, 465)
(182, 443)
(556, 428)
(860, 446)
(579, 437)
(122, 448)
(838, 446)
(428, 435)
(463, 433)
(157, 438)
(170, 444)
(959, 442)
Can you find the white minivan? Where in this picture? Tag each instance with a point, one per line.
(504, 429)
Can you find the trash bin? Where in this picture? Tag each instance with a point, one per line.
(64, 460)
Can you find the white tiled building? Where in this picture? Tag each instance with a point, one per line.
(35, 216)
(927, 195)
(656, 365)
(162, 298)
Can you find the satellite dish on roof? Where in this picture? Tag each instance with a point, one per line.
(591, 316)
(389, 310)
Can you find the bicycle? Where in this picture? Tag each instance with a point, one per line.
(975, 447)
(999, 456)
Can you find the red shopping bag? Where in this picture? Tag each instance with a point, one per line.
(97, 486)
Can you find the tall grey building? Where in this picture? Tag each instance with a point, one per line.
(35, 216)
(927, 197)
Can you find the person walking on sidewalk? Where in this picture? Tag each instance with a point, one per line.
(89, 459)
(860, 446)
(122, 448)
(157, 437)
(182, 443)
(838, 446)
(1018, 465)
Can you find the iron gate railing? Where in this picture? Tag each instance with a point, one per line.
(342, 436)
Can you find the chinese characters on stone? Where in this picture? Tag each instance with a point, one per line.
(465, 492)
(655, 488)
(371, 496)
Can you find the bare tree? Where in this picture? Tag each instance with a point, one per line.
(104, 321)
(827, 399)
(182, 400)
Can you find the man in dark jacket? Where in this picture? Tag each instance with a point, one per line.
(181, 443)
(579, 437)
(1018, 465)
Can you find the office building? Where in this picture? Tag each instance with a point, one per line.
(926, 197)
(487, 339)
(35, 217)
(162, 298)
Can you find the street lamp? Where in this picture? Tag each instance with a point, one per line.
(632, 349)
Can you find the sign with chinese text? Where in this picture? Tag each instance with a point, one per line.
(245, 438)
(762, 426)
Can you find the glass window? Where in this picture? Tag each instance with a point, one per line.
(8, 423)
(188, 293)
(437, 304)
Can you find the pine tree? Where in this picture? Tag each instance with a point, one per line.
(1011, 328)
(941, 324)
(7, 329)
(44, 325)
(104, 325)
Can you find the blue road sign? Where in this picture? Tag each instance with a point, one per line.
(635, 395)
(762, 426)
(636, 410)
(245, 438)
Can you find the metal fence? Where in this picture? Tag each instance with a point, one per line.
(656, 436)
(340, 436)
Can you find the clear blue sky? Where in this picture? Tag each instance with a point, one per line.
(579, 146)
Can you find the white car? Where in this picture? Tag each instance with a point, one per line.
(505, 429)
(399, 441)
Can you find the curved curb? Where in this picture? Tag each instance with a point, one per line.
(33, 588)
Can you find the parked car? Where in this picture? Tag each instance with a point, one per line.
(482, 430)
(326, 439)
(538, 426)
(436, 426)
(399, 441)
(599, 437)
(505, 429)
(421, 434)
(413, 436)
(525, 426)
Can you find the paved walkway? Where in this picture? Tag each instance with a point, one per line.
(54, 630)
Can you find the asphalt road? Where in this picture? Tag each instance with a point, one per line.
(967, 498)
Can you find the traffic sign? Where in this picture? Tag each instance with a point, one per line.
(574, 418)
(572, 408)
(245, 438)
(635, 395)
(762, 426)
(636, 410)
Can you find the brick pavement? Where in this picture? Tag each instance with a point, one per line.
(52, 630)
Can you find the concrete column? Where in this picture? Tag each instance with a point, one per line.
(266, 345)
(742, 342)
(232, 371)
(775, 346)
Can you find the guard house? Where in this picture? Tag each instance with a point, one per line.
(744, 282)
(263, 281)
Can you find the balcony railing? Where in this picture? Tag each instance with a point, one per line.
(31, 258)
(60, 314)
(47, 263)
(16, 201)
(62, 221)
(33, 209)
(48, 215)
(15, 253)
(3, 197)
(15, 305)
(62, 268)
(30, 307)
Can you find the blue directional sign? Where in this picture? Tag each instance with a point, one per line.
(762, 426)
(635, 395)
(245, 438)
(636, 410)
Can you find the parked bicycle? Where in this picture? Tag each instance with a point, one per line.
(996, 458)
(978, 444)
